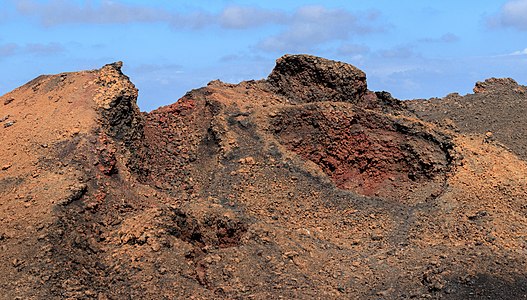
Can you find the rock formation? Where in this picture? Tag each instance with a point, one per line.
(305, 185)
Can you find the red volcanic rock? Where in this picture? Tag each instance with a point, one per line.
(367, 152)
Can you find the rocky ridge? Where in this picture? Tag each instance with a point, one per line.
(302, 185)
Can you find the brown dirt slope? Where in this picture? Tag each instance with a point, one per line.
(314, 189)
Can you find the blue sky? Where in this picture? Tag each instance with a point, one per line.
(413, 49)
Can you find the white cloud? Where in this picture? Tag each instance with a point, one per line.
(311, 26)
(58, 12)
(521, 52)
(512, 14)
(511, 54)
(241, 17)
(301, 30)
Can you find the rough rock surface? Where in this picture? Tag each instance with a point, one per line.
(305, 78)
(302, 186)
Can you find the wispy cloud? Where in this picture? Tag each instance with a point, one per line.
(445, 38)
(352, 49)
(8, 49)
(242, 17)
(301, 30)
(521, 52)
(399, 52)
(59, 12)
(44, 49)
(31, 48)
(511, 54)
(152, 68)
(512, 14)
(315, 23)
(250, 57)
(310, 26)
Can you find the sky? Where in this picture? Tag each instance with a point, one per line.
(413, 49)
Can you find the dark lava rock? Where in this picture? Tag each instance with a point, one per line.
(306, 78)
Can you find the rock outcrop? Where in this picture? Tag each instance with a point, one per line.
(305, 78)
(495, 85)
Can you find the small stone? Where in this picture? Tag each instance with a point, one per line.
(489, 137)
(376, 237)
(478, 215)
(8, 100)
(16, 262)
(155, 246)
(9, 124)
(247, 160)
(4, 118)
(291, 254)
(6, 167)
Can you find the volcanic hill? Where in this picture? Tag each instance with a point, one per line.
(305, 185)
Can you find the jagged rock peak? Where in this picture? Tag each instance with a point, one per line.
(306, 78)
(115, 66)
(116, 100)
(114, 86)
